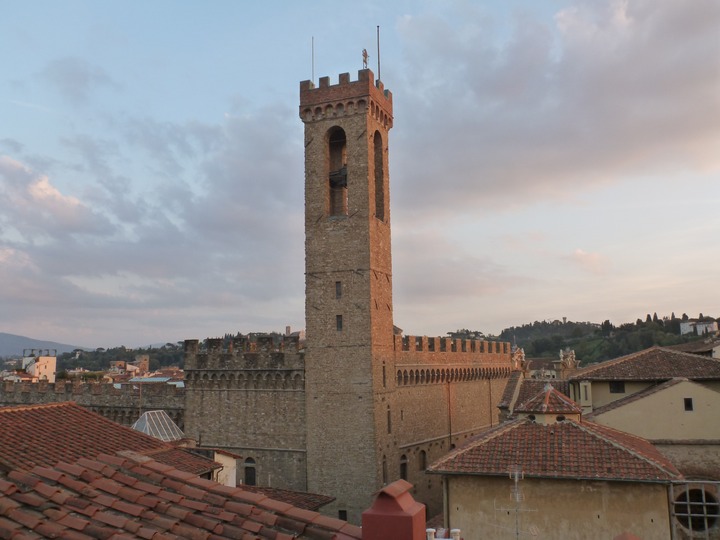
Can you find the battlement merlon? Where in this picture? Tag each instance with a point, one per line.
(468, 349)
(326, 94)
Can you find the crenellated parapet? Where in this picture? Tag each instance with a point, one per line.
(242, 364)
(122, 404)
(346, 98)
(45, 390)
(439, 360)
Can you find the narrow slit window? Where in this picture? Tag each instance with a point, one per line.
(337, 173)
(338, 323)
(403, 467)
(338, 289)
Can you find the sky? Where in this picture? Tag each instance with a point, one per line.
(548, 159)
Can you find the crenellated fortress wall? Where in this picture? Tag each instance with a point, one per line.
(123, 405)
(249, 397)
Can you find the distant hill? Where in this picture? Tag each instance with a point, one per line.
(13, 345)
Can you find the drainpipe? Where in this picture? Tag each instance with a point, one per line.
(446, 503)
(449, 417)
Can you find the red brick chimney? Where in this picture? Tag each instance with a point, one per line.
(395, 515)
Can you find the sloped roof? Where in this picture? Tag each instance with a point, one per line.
(549, 401)
(703, 346)
(514, 380)
(159, 425)
(43, 435)
(128, 495)
(530, 388)
(653, 364)
(577, 450)
(301, 499)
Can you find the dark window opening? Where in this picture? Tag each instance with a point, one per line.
(250, 475)
(384, 470)
(617, 387)
(389, 420)
(337, 173)
(697, 510)
(422, 461)
(379, 177)
(338, 289)
(338, 323)
(342, 514)
(403, 467)
(688, 403)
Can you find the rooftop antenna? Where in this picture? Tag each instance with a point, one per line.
(378, 50)
(312, 59)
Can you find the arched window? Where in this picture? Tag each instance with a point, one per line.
(250, 476)
(379, 177)
(337, 172)
(403, 467)
(422, 460)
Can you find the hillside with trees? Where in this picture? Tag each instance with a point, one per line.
(594, 342)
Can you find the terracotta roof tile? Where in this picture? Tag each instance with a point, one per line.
(530, 388)
(98, 501)
(568, 449)
(275, 496)
(550, 401)
(653, 364)
(66, 432)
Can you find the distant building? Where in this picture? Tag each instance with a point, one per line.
(40, 364)
(701, 328)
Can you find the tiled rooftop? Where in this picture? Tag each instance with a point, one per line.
(43, 435)
(703, 346)
(514, 380)
(529, 388)
(127, 495)
(301, 499)
(549, 401)
(653, 364)
(578, 450)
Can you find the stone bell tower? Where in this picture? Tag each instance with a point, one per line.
(348, 286)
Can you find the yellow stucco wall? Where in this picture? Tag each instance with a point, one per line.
(482, 507)
(601, 392)
(662, 415)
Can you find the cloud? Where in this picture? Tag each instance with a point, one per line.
(76, 79)
(36, 209)
(605, 92)
(185, 246)
(592, 262)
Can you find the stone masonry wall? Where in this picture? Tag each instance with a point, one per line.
(250, 399)
(123, 405)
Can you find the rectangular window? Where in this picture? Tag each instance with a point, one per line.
(617, 387)
(342, 514)
(338, 289)
(688, 403)
(585, 396)
(338, 323)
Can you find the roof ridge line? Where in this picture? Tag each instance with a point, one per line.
(618, 444)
